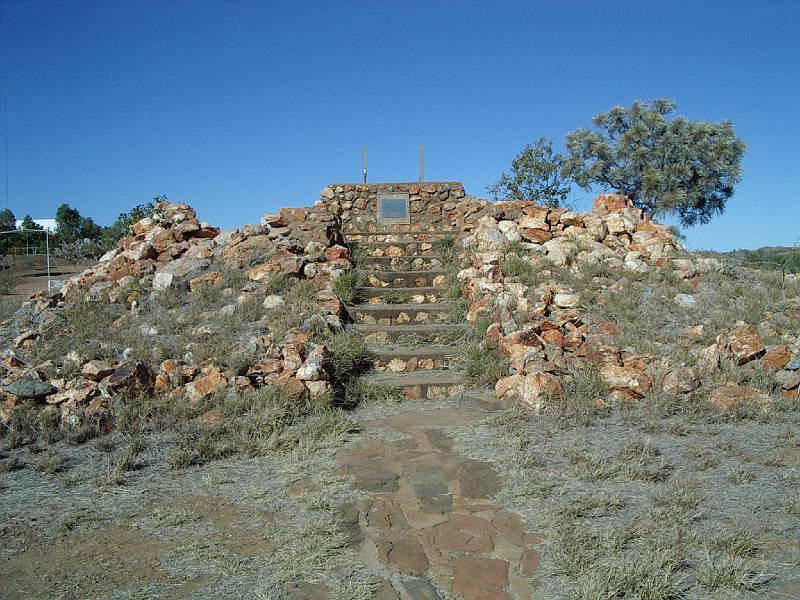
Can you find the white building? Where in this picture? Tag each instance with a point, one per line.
(48, 224)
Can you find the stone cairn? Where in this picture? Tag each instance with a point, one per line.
(402, 310)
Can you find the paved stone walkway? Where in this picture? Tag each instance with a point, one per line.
(429, 523)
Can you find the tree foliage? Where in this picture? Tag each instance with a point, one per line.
(72, 227)
(122, 226)
(537, 173)
(667, 166)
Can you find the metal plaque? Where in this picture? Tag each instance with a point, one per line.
(393, 208)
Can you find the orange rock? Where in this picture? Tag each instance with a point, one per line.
(538, 387)
(732, 396)
(742, 344)
(553, 337)
(211, 418)
(292, 387)
(776, 359)
(605, 204)
(628, 382)
(212, 381)
(208, 280)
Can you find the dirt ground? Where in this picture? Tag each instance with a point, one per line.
(430, 500)
(24, 275)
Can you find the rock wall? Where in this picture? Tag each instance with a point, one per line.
(433, 206)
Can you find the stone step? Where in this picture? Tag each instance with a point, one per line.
(485, 399)
(396, 236)
(415, 335)
(430, 278)
(396, 249)
(422, 385)
(402, 263)
(410, 295)
(400, 314)
(399, 358)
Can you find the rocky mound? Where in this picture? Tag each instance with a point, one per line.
(520, 262)
(178, 308)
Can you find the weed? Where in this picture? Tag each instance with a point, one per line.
(594, 506)
(10, 463)
(741, 544)
(717, 571)
(483, 366)
(346, 286)
(51, 463)
(523, 270)
(584, 392)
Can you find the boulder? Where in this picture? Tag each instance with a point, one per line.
(681, 381)
(742, 344)
(626, 382)
(211, 382)
(132, 378)
(97, 370)
(29, 388)
(537, 388)
(732, 396)
(776, 359)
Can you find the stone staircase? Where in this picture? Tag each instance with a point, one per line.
(402, 315)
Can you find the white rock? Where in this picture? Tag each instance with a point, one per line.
(565, 300)
(273, 301)
(685, 300)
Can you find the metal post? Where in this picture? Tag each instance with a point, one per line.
(47, 250)
(421, 163)
(364, 163)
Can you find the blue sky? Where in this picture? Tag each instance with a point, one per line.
(241, 107)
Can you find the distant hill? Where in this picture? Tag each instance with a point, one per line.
(770, 258)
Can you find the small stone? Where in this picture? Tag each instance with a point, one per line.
(565, 300)
(273, 301)
(537, 388)
(97, 370)
(682, 381)
(212, 381)
(776, 359)
(685, 300)
(163, 281)
(743, 344)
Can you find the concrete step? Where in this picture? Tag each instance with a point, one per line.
(401, 263)
(400, 314)
(430, 278)
(422, 385)
(396, 358)
(409, 295)
(396, 236)
(415, 335)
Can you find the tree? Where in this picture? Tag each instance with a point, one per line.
(8, 222)
(122, 226)
(72, 227)
(666, 166)
(31, 239)
(537, 173)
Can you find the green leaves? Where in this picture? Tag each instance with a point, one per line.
(665, 166)
(537, 173)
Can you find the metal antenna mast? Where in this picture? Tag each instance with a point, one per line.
(364, 163)
(421, 163)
